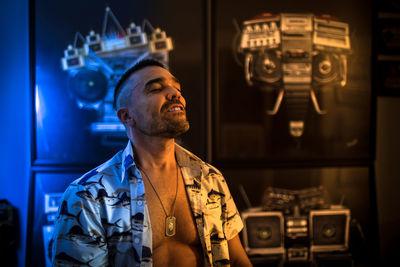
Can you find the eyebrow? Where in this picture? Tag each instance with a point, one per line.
(157, 80)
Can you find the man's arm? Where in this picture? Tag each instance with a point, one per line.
(237, 254)
(79, 238)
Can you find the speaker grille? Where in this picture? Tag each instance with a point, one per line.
(264, 231)
(329, 229)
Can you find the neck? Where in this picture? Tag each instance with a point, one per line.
(156, 153)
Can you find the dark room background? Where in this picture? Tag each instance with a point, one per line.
(43, 158)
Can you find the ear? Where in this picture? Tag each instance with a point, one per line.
(125, 117)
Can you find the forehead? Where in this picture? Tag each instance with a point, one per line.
(142, 76)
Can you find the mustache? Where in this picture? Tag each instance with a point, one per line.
(168, 104)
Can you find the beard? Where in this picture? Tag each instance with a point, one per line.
(168, 125)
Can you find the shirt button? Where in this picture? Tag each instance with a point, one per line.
(137, 240)
(140, 203)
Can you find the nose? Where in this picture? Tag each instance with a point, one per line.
(173, 93)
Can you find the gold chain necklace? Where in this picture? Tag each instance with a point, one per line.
(170, 221)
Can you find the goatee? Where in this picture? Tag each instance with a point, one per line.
(168, 125)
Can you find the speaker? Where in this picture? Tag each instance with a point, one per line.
(263, 232)
(329, 230)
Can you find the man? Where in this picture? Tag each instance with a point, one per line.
(153, 203)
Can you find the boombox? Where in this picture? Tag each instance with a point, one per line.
(96, 63)
(297, 237)
(295, 55)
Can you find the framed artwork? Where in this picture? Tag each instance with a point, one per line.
(291, 81)
(82, 48)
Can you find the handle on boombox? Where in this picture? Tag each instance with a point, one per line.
(247, 63)
(343, 70)
(278, 103)
(315, 103)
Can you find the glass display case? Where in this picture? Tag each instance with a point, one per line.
(292, 81)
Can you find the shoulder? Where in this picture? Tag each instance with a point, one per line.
(210, 174)
(104, 176)
(188, 158)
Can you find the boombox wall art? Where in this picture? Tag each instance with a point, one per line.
(296, 225)
(295, 54)
(95, 66)
(78, 61)
(292, 81)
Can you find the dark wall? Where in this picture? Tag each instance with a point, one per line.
(387, 176)
(15, 112)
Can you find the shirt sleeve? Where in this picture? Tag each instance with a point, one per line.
(79, 237)
(233, 222)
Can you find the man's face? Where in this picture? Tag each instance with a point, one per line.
(157, 106)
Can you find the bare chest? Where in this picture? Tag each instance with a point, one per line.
(165, 197)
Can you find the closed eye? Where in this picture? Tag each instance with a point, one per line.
(157, 85)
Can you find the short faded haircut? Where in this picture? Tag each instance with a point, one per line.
(119, 88)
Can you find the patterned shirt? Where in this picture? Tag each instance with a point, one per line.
(103, 219)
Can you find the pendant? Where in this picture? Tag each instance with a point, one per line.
(170, 226)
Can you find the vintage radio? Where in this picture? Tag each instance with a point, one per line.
(294, 54)
(73, 59)
(93, 43)
(135, 36)
(160, 42)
